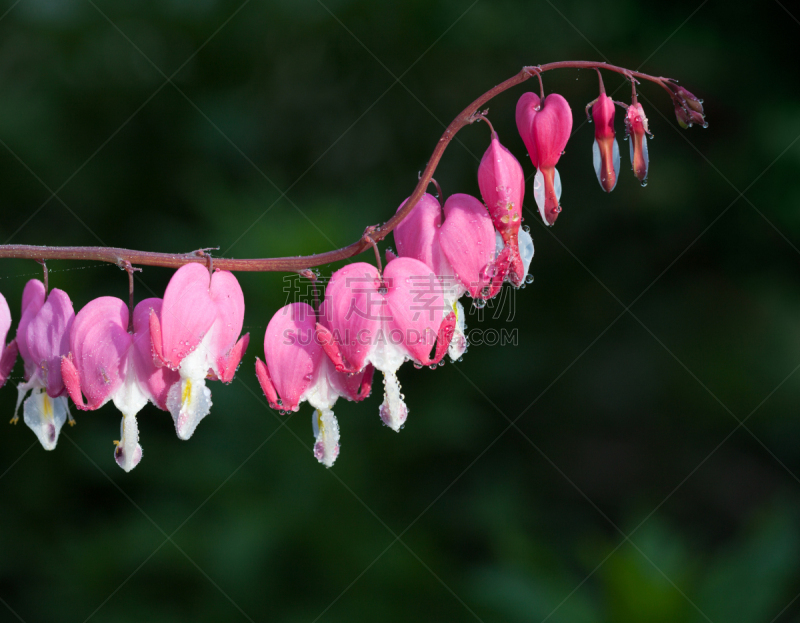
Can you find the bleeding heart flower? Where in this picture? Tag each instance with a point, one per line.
(8, 352)
(605, 150)
(550, 128)
(502, 185)
(297, 370)
(42, 339)
(384, 321)
(636, 127)
(106, 362)
(195, 333)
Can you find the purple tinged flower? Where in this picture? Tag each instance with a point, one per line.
(42, 339)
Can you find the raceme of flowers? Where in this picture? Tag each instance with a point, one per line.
(165, 350)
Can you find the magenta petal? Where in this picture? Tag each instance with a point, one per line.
(99, 344)
(416, 304)
(187, 313)
(356, 386)
(468, 241)
(416, 235)
(72, 381)
(292, 353)
(47, 339)
(226, 293)
(551, 129)
(262, 374)
(8, 357)
(355, 309)
(527, 107)
(154, 381)
(228, 364)
(33, 297)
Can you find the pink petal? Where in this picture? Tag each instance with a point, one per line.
(262, 374)
(227, 365)
(226, 293)
(416, 304)
(5, 320)
(155, 381)
(47, 339)
(551, 129)
(33, 297)
(356, 386)
(8, 357)
(468, 241)
(72, 381)
(416, 236)
(292, 353)
(187, 313)
(527, 107)
(99, 345)
(354, 309)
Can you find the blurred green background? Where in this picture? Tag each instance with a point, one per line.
(625, 491)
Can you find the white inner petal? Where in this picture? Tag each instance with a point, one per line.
(45, 416)
(326, 435)
(188, 401)
(458, 344)
(128, 452)
(525, 248)
(393, 411)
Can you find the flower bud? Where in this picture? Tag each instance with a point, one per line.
(502, 185)
(688, 108)
(636, 128)
(606, 148)
(550, 130)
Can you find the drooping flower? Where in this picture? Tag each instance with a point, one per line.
(8, 352)
(196, 334)
(461, 251)
(42, 338)
(636, 127)
(551, 128)
(296, 369)
(384, 321)
(502, 185)
(605, 150)
(106, 362)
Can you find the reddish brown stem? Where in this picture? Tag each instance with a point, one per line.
(293, 264)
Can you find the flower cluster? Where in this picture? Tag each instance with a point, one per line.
(165, 350)
(163, 354)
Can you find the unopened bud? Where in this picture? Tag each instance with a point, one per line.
(605, 149)
(636, 127)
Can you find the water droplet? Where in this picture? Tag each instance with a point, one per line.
(705, 124)
(526, 229)
(432, 366)
(644, 183)
(479, 303)
(528, 278)
(418, 366)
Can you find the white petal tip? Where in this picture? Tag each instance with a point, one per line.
(127, 460)
(45, 416)
(326, 433)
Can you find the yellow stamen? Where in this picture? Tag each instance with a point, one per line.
(116, 442)
(320, 425)
(47, 407)
(187, 391)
